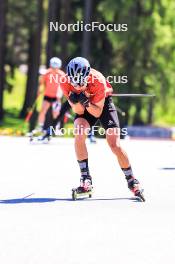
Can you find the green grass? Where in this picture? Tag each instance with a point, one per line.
(13, 101)
(12, 124)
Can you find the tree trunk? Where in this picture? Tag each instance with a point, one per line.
(87, 34)
(3, 5)
(64, 36)
(33, 61)
(150, 112)
(51, 34)
(137, 117)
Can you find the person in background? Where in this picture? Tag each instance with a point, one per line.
(50, 85)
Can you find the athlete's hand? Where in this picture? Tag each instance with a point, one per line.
(83, 99)
(74, 98)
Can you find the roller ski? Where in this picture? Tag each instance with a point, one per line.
(133, 185)
(44, 139)
(39, 135)
(45, 136)
(84, 190)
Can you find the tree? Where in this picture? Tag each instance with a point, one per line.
(53, 14)
(3, 5)
(64, 36)
(87, 34)
(33, 59)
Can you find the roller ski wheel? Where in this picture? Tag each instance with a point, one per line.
(34, 135)
(74, 194)
(134, 186)
(44, 139)
(139, 194)
(80, 192)
(31, 139)
(30, 136)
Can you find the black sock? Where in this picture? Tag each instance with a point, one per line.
(84, 168)
(128, 173)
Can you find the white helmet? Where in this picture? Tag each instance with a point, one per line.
(55, 63)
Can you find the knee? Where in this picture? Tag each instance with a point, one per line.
(81, 130)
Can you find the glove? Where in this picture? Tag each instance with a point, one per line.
(83, 99)
(79, 98)
(74, 98)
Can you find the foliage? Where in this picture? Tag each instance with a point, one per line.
(145, 53)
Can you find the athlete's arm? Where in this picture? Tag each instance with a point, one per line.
(96, 109)
(77, 108)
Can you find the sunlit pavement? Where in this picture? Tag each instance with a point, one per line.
(40, 224)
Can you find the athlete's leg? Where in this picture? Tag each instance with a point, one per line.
(42, 115)
(56, 107)
(81, 130)
(109, 120)
(55, 114)
(64, 108)
(113, 139)
(81, 125)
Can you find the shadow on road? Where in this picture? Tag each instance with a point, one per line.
(32, 200)
(48, 200)
(168, 168)
(115, 199)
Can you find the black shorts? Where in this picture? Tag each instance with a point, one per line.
(108, 118)
(50, 99)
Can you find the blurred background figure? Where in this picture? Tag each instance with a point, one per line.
(50, 87)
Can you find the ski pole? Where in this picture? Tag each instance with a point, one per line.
(133, 95)
(30, 111)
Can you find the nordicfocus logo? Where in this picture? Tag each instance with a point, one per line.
(80, 130)
(55, 78)
(93, 26)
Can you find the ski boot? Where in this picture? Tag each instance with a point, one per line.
(84, 190)
(34, 134)
(133, 185)
(38, 134)
(45, 137)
